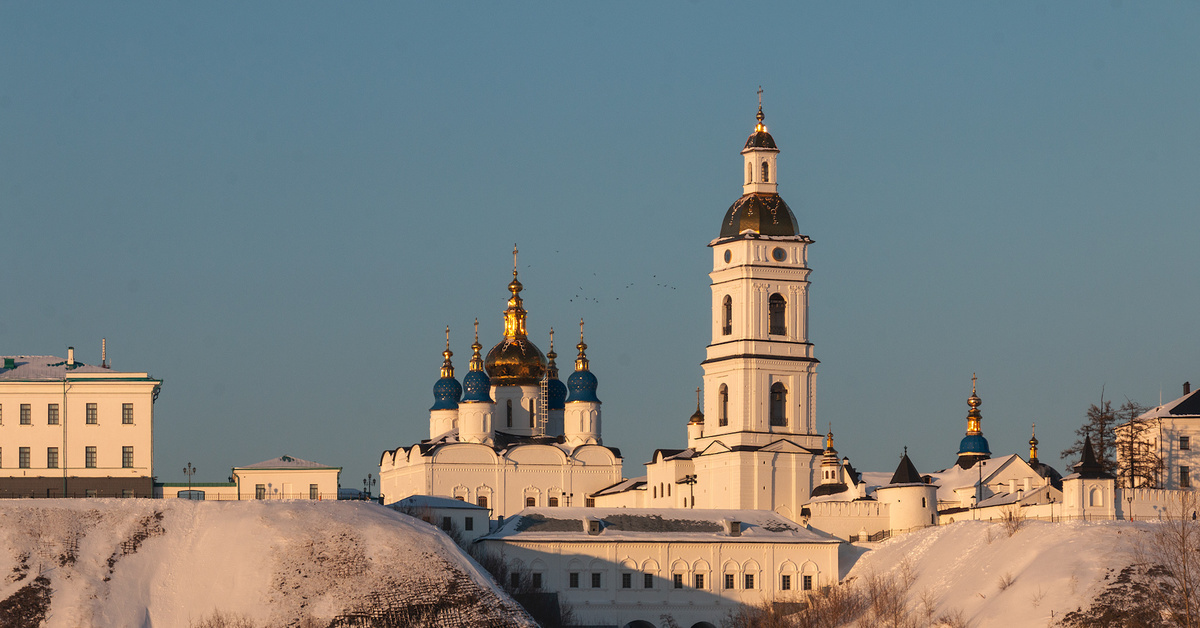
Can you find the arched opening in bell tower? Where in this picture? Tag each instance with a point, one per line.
(778, 404)
(727, 316)
(766, 172)
(723, 406)
(777, 313)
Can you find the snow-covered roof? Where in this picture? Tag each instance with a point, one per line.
(631, 484)
(49, 367)
(287, 462)
(1185, 406)
(957, 477)
(654, 525)
(432, 501)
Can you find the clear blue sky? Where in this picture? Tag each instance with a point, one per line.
(277, 207)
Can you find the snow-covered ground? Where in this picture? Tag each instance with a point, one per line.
(1050, 568)
(169, 563)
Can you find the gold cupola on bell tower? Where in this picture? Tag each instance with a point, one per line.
(515, 361)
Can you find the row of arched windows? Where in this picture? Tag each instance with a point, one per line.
(777, 410)
(766, 173)
(776, 315)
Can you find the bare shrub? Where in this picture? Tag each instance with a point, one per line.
(888, 597)
(953, 619)
(1005, 581)
(1035, 600)
(1172, 547)
(1013, 519)
(928, 604)
(221, 619)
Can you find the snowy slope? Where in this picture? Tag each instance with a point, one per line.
(1054, 568)
(169, 563)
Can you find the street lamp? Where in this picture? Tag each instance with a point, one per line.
(368, 482)
(690, 480)
(189, 471)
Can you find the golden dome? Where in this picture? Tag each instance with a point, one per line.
(515, 361)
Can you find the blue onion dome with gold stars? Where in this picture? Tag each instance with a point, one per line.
(556, 391)
(477, 384)
(447, 391)
(581, 385)
(515, 361)
(761, 212)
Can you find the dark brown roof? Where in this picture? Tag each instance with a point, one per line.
(765, 214)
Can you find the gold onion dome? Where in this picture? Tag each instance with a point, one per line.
(515, 361)
(698, 415)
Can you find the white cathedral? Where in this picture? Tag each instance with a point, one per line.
(512, 435)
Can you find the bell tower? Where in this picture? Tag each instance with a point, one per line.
(759, 371)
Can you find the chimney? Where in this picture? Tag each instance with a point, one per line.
(1187, 388)
(70, 357)
(104, 352)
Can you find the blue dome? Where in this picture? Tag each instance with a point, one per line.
(974, 444)
(558, 394)
(446, 393)
(478, 386)
(582, 386)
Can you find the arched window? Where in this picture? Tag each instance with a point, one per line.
(727, 316)
(510, 412)
(778, 404)
(766, 173)
(749, 172)
(532, 414)
(530, 502)
(777, 311)
(723, 406)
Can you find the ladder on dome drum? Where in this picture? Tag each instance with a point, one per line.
(543, 406)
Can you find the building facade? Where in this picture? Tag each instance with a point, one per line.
(68, 429)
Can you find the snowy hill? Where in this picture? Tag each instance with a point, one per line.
(170, 563)
(1032, 578)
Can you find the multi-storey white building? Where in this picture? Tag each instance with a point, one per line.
(758, 446)
(75, 430)
(1167, 432)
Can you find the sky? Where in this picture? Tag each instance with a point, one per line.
(277, 208)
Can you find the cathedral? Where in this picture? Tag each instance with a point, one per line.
(512, 435)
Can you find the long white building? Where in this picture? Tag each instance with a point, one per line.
(75, 430)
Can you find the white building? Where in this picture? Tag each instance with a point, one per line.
(75, 430)
(456, 517)
(758, 446)
(630, 566)
(512, 435)
(285, 477)
(1171, 428)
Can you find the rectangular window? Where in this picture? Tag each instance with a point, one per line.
(314, 491)
(677, 580)
(23, 457)
(573, 580)
(729, 581)
(447, 524)
(553, 502)
(530, 502)
(126, 492)
(91, 414)
(1, 415)
(749, 581)
(481, 502)
(537, 580)
(514, 580)
(26, 414)
(785, 583)
(127, 457)
(699, 578)
(1185, 477)
(127, 414)
(589, 502)
(89, 457)
(52, 457)
(595, 580)
(1185, 442)
(626, 581)
(469, 523)
(647, 581)
(52, 414)
(260, 491)
(808, 583)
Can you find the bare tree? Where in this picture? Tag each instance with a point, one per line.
(1100, 424)
(1172, 549)
(1138, 462)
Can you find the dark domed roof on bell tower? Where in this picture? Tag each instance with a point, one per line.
(764, 214)
(761, 139)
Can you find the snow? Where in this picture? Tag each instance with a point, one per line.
(654, 524)
(1054, 567)
(134, 562)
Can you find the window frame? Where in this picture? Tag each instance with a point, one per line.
(1185, 443)
(723, 406)
(23, 457)
(776, 315)
(785, 582)
(748, 581)
(730, 581)
(677, 580)
(52, 457)
(573, 580)
(126, 456)
(91, 414)
(89, 457)
(777, 405)
(26, 414)
(1185, 476)
(52, 415)
(597, 580)
(126, 414)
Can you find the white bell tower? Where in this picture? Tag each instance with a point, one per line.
(759, 372)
